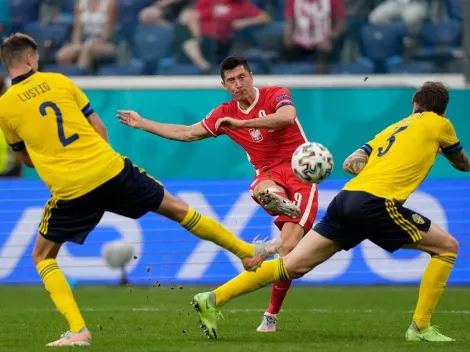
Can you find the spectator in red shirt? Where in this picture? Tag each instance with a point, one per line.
(313, 27)
(206, 30)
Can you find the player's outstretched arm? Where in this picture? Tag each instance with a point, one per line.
(458, 160)
(356, 162)
(98, 125)
(181, 133)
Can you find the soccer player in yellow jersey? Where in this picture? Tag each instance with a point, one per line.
(389, 168)
(50, 124)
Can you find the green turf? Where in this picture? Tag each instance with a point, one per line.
(161, 319)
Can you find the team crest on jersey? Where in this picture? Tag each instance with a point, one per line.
(417, 219)
(255, 134)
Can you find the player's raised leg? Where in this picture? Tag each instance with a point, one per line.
(311, 251)
(44, 257)
(208, 229)
(274, 199)
(443, 249)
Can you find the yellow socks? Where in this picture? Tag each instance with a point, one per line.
(60, 292)
(210, 230)
(432, 286)
(269, 272)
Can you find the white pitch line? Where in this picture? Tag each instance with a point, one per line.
(253, 310)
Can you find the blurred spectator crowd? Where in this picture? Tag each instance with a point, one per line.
(191, 37)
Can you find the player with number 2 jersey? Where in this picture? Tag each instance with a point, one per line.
(263, 121)
(50, 124)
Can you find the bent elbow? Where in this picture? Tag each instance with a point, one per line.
(290, 120)
(346, 165)
(27, 162)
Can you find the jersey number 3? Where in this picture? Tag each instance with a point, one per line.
(65, 141)
(390, 141)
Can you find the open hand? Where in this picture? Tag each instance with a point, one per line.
(230, 123)
(130, 118)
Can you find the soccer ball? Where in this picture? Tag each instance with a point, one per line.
(312, 162)
(117, 254)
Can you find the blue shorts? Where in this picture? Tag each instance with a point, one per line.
(354, 216)
(132, 193)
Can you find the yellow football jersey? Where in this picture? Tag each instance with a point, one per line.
(46, 113)
(401, 156)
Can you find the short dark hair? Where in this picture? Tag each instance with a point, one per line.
(3, 84)
(232, 62)
(432, 96)
(14, 47)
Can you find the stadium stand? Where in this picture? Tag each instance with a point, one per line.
(150, 50)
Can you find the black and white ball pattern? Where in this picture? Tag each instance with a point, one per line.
(312, 162)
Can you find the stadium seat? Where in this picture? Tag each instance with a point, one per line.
(454, 9)
(178, 70)
(258, 68)
(279, 6)
(128, 10)
(354, 26)
(381, 41)
(22, 12)
(293, 68)
(445, 33)
(412, 68)
(134, 69)
(259, 3)
(68, 5)
(128, 13)
(269, 36)
(362, 66)
(439, 40)
(55, 34)
(256, 55)
(66, 70)
(49, 38)
(153, 43)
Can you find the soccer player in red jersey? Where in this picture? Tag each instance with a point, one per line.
(263, 121)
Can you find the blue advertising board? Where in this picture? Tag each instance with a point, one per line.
(166, 253)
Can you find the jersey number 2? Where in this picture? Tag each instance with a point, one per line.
(391, 140)
(65, 141)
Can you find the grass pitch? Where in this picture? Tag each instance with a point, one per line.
(161, 319)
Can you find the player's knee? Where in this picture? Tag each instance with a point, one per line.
(291, 235)
(297, 272)
(39, 254)
(445, 243)
(173, 208)
(294, 268)
(287, 246)
(450, 245)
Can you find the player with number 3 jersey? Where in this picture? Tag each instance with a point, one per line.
(263, 121)
(389, 168)
(50, 124)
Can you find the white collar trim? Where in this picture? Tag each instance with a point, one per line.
(247, 111)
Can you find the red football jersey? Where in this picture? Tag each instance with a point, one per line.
(265, 148)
